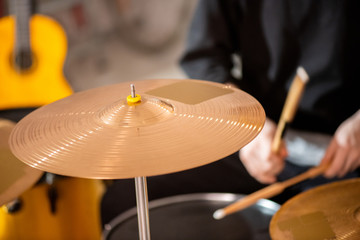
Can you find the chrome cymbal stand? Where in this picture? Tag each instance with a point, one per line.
(142, 208)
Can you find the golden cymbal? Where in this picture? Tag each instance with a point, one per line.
(177, 125)
(331, 211)
(15, 176)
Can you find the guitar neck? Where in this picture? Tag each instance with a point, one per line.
(22, 52)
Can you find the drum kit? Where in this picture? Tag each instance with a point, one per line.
(165, 126)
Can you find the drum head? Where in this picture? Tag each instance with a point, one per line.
(190, 217)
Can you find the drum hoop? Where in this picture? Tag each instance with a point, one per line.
(224, 197)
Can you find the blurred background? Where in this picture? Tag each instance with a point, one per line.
(111, 41)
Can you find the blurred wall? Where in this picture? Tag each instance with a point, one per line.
(112, 41)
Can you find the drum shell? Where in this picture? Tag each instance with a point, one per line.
(76, 215)
(190, 217)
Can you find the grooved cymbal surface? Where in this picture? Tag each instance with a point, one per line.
(15, 176)
(97, 134)
(330, 211)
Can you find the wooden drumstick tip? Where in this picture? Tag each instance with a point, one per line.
(219, 214)
(302, 74)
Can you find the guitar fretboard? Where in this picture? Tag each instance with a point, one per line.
(22, 12)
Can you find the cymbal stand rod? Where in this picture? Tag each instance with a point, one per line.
(142, 208)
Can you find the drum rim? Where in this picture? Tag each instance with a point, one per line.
(156, 203)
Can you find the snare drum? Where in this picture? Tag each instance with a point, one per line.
(190, 217)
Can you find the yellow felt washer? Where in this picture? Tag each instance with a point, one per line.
(135, 99)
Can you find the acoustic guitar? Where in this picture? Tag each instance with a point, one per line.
(32, 53)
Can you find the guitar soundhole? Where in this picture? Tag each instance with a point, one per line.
(23, 60)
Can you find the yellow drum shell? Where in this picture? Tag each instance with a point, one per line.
(77, 214)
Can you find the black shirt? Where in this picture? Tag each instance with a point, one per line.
(273, 38)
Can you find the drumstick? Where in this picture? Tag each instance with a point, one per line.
(287, 115)
(268, 192)
(290, 106)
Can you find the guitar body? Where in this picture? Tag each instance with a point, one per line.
(44, 81)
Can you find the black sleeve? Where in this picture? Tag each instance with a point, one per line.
(208, 53)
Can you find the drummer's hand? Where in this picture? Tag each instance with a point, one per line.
(259, 160)
(344, 149)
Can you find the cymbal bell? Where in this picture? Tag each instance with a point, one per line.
(330, 211)
(15, 176)
(177, 125)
